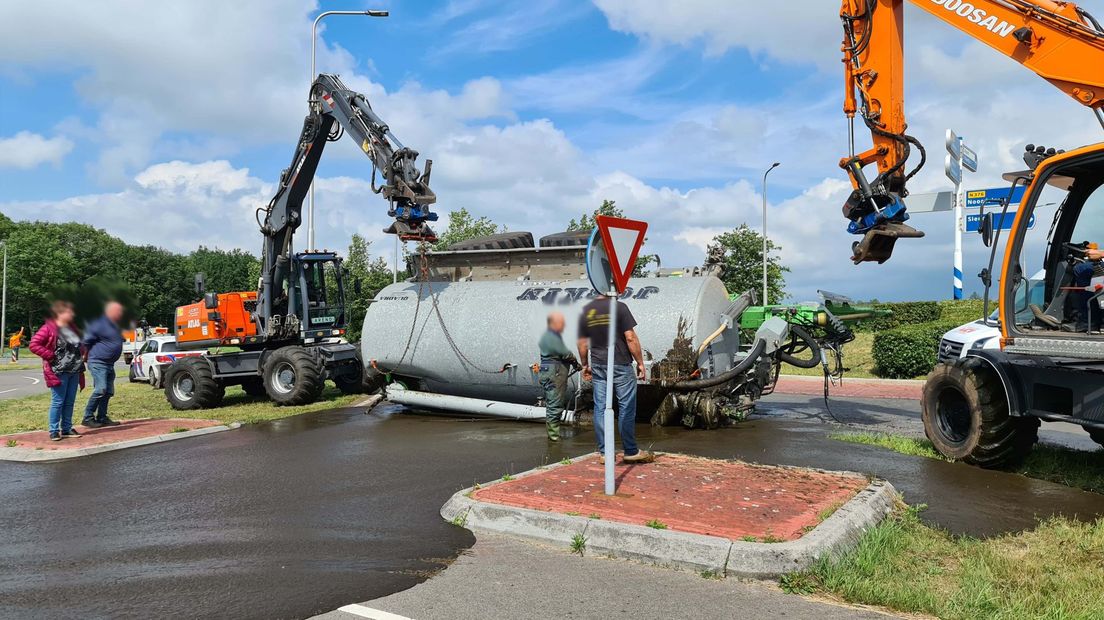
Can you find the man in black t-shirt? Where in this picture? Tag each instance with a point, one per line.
(594, 339)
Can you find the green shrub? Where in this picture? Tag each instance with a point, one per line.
(910, 351)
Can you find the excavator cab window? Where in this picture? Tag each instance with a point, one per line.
(324, 294)
(1071, 304)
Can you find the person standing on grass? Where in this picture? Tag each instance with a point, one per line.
(104, 341)
(594, 339)
(58, 343)
(14, 343)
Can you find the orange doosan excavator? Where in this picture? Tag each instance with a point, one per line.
(984, 407)
(285, 339)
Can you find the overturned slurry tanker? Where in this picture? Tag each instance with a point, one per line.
(462, 335)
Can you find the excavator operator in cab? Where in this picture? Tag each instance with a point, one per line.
(1083, 273)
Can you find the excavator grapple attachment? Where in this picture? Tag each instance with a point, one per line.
(411, 232)
(877, 243)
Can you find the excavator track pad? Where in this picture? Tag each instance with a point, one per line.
(877, 243)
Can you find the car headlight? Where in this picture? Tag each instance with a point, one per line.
(980, 344)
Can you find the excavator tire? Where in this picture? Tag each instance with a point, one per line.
(966, 416)
(190, 384)
(292, 376)
(254, 387)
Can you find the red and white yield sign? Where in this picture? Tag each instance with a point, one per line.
(622, 240)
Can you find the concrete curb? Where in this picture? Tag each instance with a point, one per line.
(697, 552)
(27, 455)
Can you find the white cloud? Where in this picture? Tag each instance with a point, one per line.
(801, 30)
(236, 70)
(26, 150)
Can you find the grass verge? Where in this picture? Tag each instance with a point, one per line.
(139, 400)
(1074, 468)
(1054, 571)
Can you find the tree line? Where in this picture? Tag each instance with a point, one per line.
(49, 260)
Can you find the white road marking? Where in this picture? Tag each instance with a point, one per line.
(6, 391)
(34, 380)
(368, 612)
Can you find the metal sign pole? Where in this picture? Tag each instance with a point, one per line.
(960, 199)
(607, 415)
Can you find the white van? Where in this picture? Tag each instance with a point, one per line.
(982, 334)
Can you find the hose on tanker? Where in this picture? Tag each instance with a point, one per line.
(724, 377)
(786, 354)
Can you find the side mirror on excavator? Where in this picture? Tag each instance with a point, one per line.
(985, 229)
(210, 301)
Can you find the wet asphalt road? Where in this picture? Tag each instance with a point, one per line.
(300, 516)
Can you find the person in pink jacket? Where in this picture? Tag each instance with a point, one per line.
(58, 343)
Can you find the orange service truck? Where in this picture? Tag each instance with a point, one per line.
(219, 319)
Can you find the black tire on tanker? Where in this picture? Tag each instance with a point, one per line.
(1097, 435)
(966, 416)
(292, 376)
(190, 384)
(254, 386)
(349, 381)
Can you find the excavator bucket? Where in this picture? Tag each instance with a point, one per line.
(877, 243)
(407, 232)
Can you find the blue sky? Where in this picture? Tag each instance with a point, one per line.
(168, 124)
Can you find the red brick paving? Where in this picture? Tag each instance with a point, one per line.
(856, 388)
(127, 430)
(686, 493)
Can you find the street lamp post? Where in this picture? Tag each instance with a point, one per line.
(4, 301)
(773, 166)
(314, 74)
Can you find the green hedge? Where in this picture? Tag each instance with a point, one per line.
(904, 313)
(964, 310)
(910, 351)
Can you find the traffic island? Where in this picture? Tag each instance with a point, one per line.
(707, 515)
(36, 446)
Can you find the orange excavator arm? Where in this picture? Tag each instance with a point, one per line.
(1057, 40)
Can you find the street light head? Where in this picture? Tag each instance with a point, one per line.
(376, 13)
(776, 164)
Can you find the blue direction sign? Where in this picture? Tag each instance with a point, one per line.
(973, 221)
(981, 197)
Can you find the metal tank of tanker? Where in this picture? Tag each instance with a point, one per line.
(479, 338)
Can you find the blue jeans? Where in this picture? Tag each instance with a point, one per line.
(62, 398)
(1082, 276)
(103, 375)
(624, 388)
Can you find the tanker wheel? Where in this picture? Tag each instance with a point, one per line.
(253, 386)
(190, 384)
(1097, 435)
(350, 381)
(292, 376)
(966, 416)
